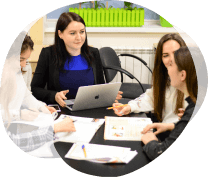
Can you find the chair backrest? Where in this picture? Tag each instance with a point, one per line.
(109, 58)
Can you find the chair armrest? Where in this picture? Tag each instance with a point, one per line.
(138, 58)
(120, 70)
(125, 72)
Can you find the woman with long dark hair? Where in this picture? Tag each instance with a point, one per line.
(183, 76)
(68, 64)
(162, 99)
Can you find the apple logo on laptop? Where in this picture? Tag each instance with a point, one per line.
(97, 97)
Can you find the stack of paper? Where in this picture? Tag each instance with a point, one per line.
(125, 128)
(101, 153)
(85, 129)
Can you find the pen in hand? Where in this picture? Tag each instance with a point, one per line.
(116, 106)
(72, 119)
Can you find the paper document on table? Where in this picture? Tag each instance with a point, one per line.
(125, 128)
(101, 153)
(85, 129)
(42, 120)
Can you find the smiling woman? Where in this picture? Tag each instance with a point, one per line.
(23, 58)
(16, 101)
(70, 32)
(68, 64)
(74, 37)
(12, 80)
(162, 99)
(169, 48)
(183, 76)
(18, 104)
(161, 82)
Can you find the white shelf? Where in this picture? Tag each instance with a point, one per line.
(149, 27)
(146, 35)
(144, 29)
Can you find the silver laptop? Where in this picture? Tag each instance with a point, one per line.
(94, 96)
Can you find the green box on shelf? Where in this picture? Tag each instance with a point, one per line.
(164, 23)
(111, 17)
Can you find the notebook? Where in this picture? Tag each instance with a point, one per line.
(125, 128)
(94, 96)
(100, 153)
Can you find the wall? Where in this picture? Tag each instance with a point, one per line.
(37, 35)
(137, 37)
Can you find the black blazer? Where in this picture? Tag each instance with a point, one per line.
(153, 149)
(46, 74)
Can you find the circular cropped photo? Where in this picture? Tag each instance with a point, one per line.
(107, 86)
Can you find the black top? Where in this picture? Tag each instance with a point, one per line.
(47, 74)
(155, 148)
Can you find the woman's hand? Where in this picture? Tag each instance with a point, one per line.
(29, 115)
(66, 125)
(180, 113)
(161, 127)
(119, 96)
(60, 97)
(146, 138)
(47, 109)
(122, 110)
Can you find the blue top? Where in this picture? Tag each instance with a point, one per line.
(77, 73)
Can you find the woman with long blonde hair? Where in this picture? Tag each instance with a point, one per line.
(15, 91)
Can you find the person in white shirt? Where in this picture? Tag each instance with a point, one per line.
(162, 99)
(13, 84)
(17, 103)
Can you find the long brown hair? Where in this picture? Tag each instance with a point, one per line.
(60, 52)
(184, 61)
(161, 79)
(7, 88)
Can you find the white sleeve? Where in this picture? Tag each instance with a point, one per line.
(14, 114)
(143, 103)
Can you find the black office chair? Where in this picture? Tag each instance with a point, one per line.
(111, 65)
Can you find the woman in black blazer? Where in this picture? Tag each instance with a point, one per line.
(67, 64)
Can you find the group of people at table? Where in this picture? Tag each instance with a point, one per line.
(70, 63)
